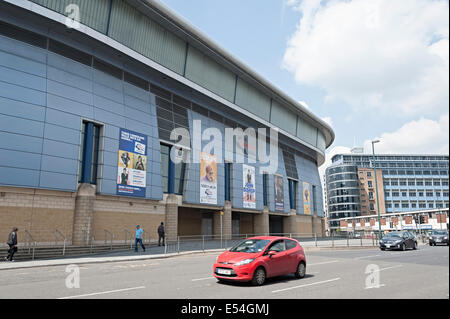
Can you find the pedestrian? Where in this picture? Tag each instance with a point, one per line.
(12, 243)
(161, 234)
(139, 232)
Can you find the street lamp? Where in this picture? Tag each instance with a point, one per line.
(376, 188)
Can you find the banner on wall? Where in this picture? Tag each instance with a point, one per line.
(248, 177)
(306, 198)
(132, 164)
(279, 192)
(208, 178)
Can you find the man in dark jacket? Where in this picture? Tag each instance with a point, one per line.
(12, 243)
(161, 234)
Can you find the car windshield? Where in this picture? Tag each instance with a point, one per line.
(394, 235)
(439, 232)
(250, 246)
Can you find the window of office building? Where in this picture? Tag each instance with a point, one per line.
(412, 194)
(429, 194)
(371, 206)
(404, 194)
(90, 142)
(370, 195)
(430, 205)
(413, 205)
(369, 184)
(369, 174)
(419, 183)
(405, 205)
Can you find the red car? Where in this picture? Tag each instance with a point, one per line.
(258, 258)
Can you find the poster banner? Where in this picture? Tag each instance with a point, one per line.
(248, 177)
(306, 198)
(208, 178)
(132, 164)
(279, 192)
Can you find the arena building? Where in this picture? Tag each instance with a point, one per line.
(90, 93)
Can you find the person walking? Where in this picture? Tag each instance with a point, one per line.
(161, 234)
(139, 233)
(12, 243)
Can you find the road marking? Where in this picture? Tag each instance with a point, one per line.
(104, 292)
(206, 278)
(306, 285)
(390, 267)
(323, 263)
(366, 257)
(382, 285)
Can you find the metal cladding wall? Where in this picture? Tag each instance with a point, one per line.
(44, 98)
(121, 21)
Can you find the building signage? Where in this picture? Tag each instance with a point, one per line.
(208, 178)
(132, 164)
(279, 192)
(306, 198)
(248, 176)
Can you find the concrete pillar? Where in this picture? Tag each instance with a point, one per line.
(261, 222)
(290, 223)
(83, 215)
(317, 225)
(227, 220)
(171, 220)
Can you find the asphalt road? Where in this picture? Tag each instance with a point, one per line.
(338, 274)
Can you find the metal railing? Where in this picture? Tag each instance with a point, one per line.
(57, 232)
(30, 243)
(209, 242)
(111, 237)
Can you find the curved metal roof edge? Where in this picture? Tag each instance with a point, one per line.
(198, 35)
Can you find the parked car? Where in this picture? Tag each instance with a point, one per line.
(438, 237)
(258, 258)
(398, 240)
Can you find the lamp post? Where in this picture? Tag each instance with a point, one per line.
(376, 188)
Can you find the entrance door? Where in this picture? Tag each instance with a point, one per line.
(207, 225)
(235, 226)
(275, 225)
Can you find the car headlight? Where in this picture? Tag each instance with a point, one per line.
(244, 262)
(397, 242)
(445, 237)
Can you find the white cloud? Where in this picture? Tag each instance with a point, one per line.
(384, 54)
(423, 136)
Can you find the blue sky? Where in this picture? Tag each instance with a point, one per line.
(371, 68)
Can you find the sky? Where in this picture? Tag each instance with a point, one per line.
(372, 69)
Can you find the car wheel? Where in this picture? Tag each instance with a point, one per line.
(383, 249)
(259, 277)
(415, 246)
(301, 270)
(403, 247)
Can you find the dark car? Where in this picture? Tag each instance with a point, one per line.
(398, 240)
(438, 237)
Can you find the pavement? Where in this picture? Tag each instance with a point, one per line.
(358, 273)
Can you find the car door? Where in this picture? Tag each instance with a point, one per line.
(276, 264)
(405, 238)
(292, 254)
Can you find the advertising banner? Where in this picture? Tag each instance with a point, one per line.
(279, 192)
(208, 178)
(132, 164)
(248, 177)
(306, 198)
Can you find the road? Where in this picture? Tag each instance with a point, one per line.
(338, 274)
